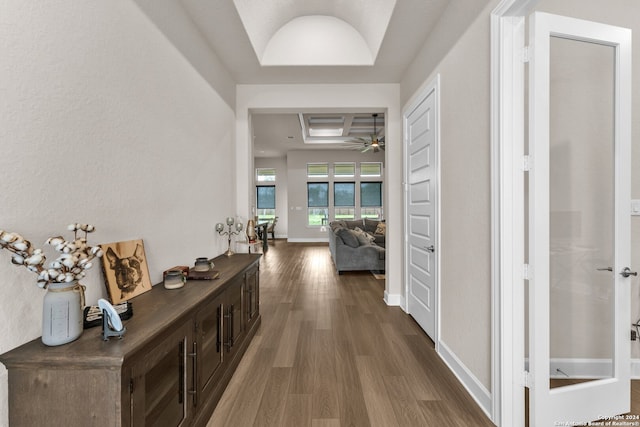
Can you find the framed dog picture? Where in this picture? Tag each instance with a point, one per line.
(125, 269)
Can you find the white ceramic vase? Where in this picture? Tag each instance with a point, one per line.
(62, 313)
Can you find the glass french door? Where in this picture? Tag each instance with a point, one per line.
(579, 220)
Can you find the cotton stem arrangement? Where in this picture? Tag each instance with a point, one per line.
(75, 256)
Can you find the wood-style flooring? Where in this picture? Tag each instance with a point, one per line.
(331, 353)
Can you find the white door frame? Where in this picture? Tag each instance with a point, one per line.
(432, 86)
(507, 202)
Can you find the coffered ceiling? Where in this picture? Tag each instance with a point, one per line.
(275, 134)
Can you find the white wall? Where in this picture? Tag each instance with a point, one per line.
(319, 97)
(282, 191)
(103, 121)
(171, 18)
(297, 174)
(451, 25)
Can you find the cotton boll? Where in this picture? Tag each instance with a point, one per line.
(87, 266)
(34, 260)
(8, 237)
(21, 246)
(55, 241)
(17, 259)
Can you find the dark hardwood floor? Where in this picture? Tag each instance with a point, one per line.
(331, 353)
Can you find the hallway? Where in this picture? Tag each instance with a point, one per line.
(330, 352)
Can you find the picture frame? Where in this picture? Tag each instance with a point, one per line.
(125, 270)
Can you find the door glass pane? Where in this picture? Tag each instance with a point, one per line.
(581, 217)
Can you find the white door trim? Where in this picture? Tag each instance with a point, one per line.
(507, 213)
(432, 86)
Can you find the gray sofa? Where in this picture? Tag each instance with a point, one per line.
(353, 251)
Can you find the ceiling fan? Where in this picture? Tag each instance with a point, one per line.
(371, 143)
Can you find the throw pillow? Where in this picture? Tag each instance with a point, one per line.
(363, 237)
(370, 225)
(381, 228)
(353, 224)
(335, 224)
(348, 237)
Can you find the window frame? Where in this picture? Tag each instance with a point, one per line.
(362, 175)
(259, 176)
(318, 207)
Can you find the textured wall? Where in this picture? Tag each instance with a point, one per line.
(103, 121)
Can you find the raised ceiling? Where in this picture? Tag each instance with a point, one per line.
(241, 49)
(353, 41)
(315, 32)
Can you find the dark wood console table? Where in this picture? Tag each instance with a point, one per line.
(171, 368)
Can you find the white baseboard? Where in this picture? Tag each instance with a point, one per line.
(308, 240)
(476, 389)
(585, 368)
(392, 299)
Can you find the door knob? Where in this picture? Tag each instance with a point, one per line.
(627, 272)
(431, 249)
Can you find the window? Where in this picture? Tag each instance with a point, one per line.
(317, 170)
(266, 202)
(371, 200)
(344, 170)
(317, 202)
(370, 169)
(344, 200)
(265, 175)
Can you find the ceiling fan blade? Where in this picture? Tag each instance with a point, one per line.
(358, 141)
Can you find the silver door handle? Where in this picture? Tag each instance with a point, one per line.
(605, 269)
(627, 272)
(431, 249)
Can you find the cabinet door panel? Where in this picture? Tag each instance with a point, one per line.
(160, 382)
(209, 332)
(252, 295)
(234, 316)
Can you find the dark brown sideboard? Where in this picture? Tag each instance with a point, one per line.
(171, 368)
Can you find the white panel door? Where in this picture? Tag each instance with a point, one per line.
(420, 221)
(579, 220)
